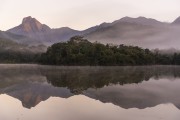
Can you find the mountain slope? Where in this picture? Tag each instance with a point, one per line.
(34, 29)
(18, 43)
(30, 26)
(177, 21)
(97, 27)
(143, 32)
(21, 39)
(6, 44)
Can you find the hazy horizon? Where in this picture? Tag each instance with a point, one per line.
(81, 14)
(118, 59)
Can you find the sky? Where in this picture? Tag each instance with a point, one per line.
(82, 14)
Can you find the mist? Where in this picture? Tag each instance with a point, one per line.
(164, 36)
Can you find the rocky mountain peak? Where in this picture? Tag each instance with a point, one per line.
(28, 19)
(31, 25)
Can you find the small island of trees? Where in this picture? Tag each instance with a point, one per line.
(79, 51)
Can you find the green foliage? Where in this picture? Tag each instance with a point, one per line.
(17, 57)
(79, 51)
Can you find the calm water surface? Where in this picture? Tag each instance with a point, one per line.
(34, 92)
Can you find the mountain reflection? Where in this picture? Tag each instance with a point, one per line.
(127, 87)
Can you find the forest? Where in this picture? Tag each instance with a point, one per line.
(18, 57)
(79, 51)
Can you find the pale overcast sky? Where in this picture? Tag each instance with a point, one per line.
(81, 14)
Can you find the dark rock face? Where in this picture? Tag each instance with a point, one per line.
(32, 28)
(29, 26)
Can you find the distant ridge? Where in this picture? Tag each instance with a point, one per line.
(140, 31)
(140, 20)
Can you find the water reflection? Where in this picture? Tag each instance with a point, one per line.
(82, 108)
(125, 87)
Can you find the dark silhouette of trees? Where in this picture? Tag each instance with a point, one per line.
(10, 56)
(79, 51)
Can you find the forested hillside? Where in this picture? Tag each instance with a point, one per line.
(79, 51)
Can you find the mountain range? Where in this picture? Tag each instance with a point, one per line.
(147, 33)
(141, 31)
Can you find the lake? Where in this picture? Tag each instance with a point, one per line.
(35, 92)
